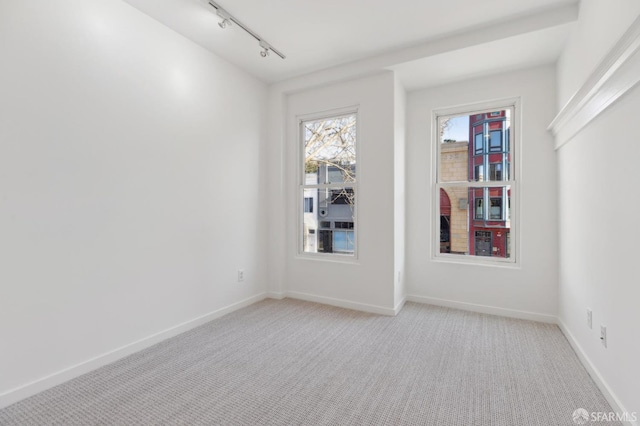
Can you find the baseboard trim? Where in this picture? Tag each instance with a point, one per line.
(276, 295)
(341, 303)
(14, 395)
(400, 305)
(594, 373)
(484, 309)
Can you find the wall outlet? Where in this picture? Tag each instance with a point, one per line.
(240, 275)
(603, 335)
(589, 318)
(399, 277)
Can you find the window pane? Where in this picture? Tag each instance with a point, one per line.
(495, 171)
(454, 237)
(483, 231)
(485, 159)
(330, 149)
(479, 143)
(343, 241)
(474, 221)
(329, 228)
(308, 204)
(495, 141)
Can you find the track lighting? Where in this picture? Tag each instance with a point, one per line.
(228, 20)
(265, 48)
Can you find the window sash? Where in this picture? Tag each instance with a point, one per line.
(509, 172)
(347, 185)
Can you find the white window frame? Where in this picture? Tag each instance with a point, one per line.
(300, 120)
(513, 215)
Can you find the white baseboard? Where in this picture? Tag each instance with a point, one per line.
(400, 305)
(341, 303)
(14, 395)
(594, 373)
(276, 295)
(484, 309)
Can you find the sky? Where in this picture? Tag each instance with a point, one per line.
(458, 129)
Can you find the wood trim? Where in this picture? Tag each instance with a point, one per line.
(618, 73)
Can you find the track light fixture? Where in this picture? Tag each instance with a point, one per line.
(265, 48)
(228, 19)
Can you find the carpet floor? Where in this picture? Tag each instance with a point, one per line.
(289, 362)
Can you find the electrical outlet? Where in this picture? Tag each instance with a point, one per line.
(240, 275)
(589, 318)
(399, 277)
(603, 335)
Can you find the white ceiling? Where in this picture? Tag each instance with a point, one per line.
(427, 42)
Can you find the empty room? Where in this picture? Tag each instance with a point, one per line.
(218, 212)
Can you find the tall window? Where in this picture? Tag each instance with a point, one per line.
(475, 162)
(328, 175)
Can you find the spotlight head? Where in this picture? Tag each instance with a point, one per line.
(226, 18)
(265, 48)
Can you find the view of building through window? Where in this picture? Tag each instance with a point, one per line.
(328, 193)
(474, 184)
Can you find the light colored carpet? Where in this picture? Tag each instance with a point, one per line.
(297, 363)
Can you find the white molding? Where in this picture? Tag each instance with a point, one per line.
(484, 309)
(594, 373)
(399, 306)
(276, 295)
(342, 303)
(618, 73)
(14, 395)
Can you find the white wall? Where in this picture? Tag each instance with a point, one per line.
(367, 283)
(599, 206)
(530, 290)
(129, 184)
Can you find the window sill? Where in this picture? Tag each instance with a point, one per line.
(332, 258)
(476, 261)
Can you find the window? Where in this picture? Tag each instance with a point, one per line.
(495, 141)
(479, 143)
(328, 164)
(479, 208)
(495, 212)
(495, 171)
(308, 204)
(482, 230)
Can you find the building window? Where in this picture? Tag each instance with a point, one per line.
(482, 171)
(495, 211)
(495, 141)
(478, 143)
(479, 208)
(308, 204)
(479, 173)
(495, 171)
(343, 241)
(328, 180)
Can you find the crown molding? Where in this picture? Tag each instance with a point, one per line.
(617, 74)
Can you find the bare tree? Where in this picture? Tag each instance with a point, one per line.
(331, 143)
